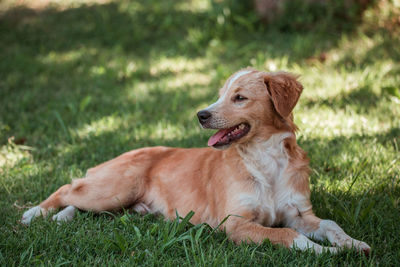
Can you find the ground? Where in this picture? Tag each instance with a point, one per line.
(83, 83)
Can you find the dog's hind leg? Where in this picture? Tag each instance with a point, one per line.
(113, 185)
(90, 194)
(51, 203)
(65, 215)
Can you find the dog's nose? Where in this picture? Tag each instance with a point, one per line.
(203, 116)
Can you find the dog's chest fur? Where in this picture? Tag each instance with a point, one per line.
(271, 197)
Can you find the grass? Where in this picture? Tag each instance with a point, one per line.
(83, 83)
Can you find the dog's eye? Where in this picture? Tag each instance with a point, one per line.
(239, 98)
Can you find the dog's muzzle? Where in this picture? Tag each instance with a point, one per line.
(204, 116)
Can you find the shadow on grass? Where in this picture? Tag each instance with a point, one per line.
(52, 59)
(388, 47)
(324, 153)
(362, 100)
(96, 42)
(139, 28)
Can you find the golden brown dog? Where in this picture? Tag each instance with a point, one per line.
(257, 172)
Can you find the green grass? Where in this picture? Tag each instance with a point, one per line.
(83, 83)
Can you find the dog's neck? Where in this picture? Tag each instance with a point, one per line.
(266, 160)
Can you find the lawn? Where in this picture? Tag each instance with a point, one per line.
(81, 83)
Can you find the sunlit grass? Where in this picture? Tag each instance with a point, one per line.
(82, 82)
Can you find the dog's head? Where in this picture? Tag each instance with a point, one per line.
(251, 105)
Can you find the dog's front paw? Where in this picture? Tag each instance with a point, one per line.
(339, 238)
(361, 246)
(303, 243)
(348, 242)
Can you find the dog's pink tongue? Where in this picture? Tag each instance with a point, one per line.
(217, 136)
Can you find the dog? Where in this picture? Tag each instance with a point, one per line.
(255, 174)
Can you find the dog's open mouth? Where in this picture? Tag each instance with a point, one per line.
(227, 136)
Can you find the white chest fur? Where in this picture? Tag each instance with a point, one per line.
(267, 163)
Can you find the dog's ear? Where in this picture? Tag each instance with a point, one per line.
(284, 90)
